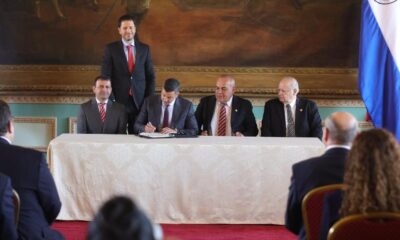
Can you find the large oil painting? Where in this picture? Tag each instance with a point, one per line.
(234, 33)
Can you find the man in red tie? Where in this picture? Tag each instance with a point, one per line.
(168, 113)
(127, 62)
(225, 114)
(100, 115)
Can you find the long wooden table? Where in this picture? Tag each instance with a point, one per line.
(196, 180)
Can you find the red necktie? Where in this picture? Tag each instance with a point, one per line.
(131, 65)
(166, 117)
(102, 111)
(131, 61)
(222, 120)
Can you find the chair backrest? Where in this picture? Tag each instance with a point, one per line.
(17, 204)
(312, 206)
(379, 225)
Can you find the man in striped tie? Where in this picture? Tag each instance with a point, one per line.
(225, 114)
(101, 115)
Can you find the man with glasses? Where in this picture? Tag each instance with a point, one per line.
(289, 115)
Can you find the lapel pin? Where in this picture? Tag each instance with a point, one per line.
(236, 110)
(301, 109)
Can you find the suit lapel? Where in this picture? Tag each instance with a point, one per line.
(281, 115)
(234, 112)
(175, 114)
(109, 115)
(298, 115)
(211, 110)
(123, 56)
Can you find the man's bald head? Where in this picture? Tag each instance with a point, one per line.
(340, 128)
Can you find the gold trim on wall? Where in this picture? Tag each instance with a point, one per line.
(76, 80)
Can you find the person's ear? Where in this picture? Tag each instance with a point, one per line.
(325, 136)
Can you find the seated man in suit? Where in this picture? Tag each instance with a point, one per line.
(168, 113)
(340, 130)
(101, 115)
(32, 180)
(7, 220)
(225, 114)
(289, 115)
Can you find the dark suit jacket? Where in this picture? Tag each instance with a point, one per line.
(307, 119)
(183, 118)
(32, 180)
(7, 220)
(330, 212)
(242, 117)
(115, 66)
(89, 120)
(307, 175)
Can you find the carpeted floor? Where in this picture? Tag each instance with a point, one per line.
(76, 230)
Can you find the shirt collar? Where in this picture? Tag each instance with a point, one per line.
(8, 140)
(338, 146)
(127, 43)
(171, 104)
(98, 102)
(293, 103)
(229, 102)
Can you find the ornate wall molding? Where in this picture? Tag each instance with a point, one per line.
(76, 80)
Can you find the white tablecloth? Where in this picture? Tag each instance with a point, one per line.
(186, 180)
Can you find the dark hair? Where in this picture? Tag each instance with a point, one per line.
(171, 84)
(126, 17)
(120, 219)
(104, 78)
(5, 117)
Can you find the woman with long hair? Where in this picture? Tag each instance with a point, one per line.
(371, 178)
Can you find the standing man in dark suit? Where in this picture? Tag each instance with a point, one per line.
(340, 130)
(33, 182)
(8, 229)
(128, 63)
(289, 115)
(225, 114)
(168, 113)
(99, 115)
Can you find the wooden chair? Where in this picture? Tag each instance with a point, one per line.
(17, 204)
(379, 225)
(312, 206)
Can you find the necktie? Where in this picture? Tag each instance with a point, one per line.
(290, 131)
(131, 61)
(222, 120)
(102, 111)
(165, 122)
(131, 65)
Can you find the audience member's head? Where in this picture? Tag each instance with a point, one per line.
(6, 125)
(225, 88)
(102, 88)
(340, 129)
(170, 91)
(372, 174)
(120, 219)
(288, 89)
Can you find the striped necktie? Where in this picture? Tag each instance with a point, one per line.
(290, 131)
(222, 120)
(102, 111)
